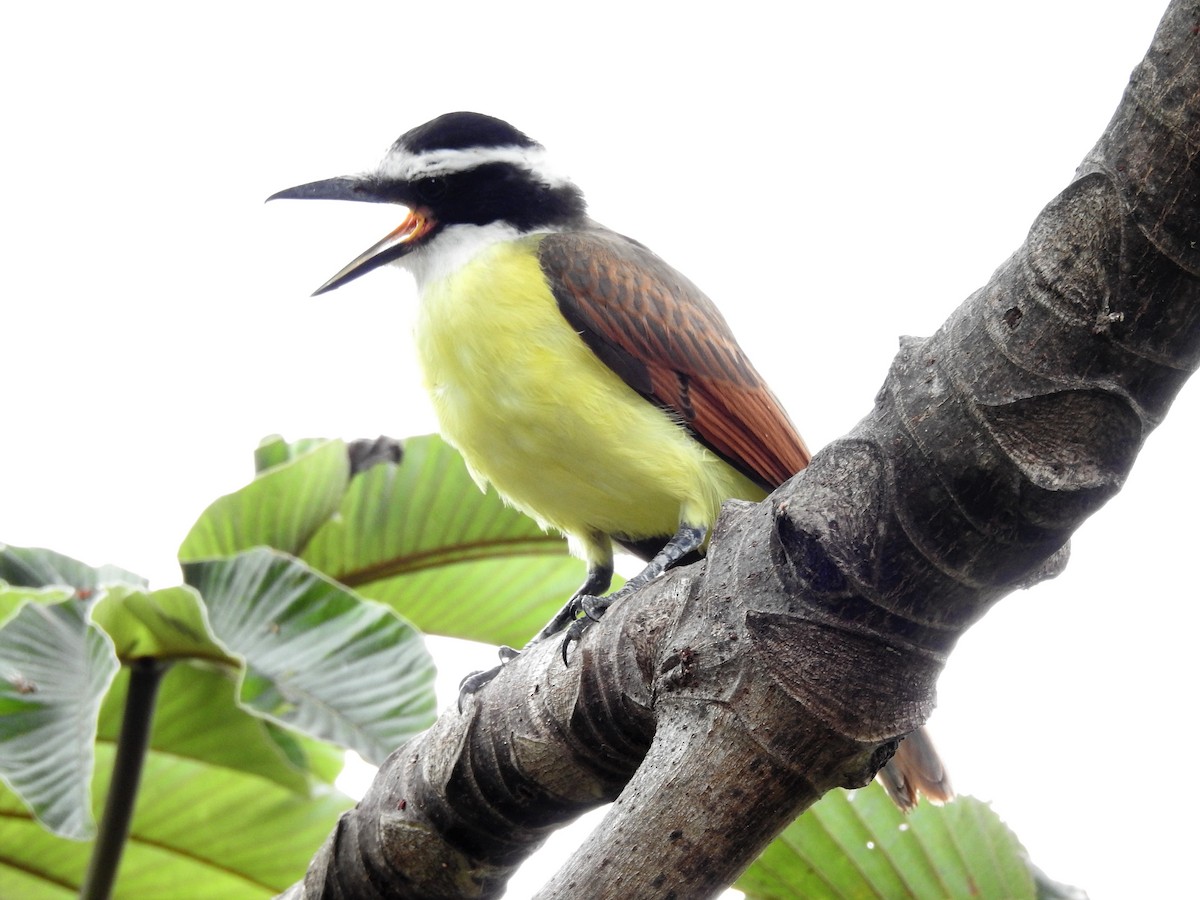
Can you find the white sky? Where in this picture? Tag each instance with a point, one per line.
(833, 176)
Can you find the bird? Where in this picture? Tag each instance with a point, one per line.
(593, 385)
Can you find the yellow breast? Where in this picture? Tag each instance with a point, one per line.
(534, 412)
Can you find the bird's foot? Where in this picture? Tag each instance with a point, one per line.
(593, 608)
(472, 683)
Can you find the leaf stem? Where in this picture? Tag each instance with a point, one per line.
(145, 675)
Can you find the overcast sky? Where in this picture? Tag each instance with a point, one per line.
(834, 178)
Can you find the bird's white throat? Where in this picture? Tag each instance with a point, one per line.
(453, 248)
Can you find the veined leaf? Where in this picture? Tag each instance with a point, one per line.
(421, 537)
(34, 567)
(497, 601)
(281, 508)
(318, 657)
(197, 717)
(222, 811)
(860, 845)
(55, 667)
(13, 598)
(275, 451)
(417, 535)
(164, 624)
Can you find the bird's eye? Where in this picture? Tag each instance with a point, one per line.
(430, 190)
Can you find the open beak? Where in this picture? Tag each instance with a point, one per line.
(399, 242)
(416, 225)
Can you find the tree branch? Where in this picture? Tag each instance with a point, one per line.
(721, 701)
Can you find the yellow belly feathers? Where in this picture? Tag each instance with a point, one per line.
(535, 413)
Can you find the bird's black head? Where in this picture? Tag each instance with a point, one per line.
(462, 131)
(460, 169)
(472, 169)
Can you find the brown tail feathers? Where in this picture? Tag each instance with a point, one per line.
(916, 769)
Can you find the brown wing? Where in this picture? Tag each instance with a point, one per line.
(667, 340)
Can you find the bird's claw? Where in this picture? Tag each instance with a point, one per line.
(593, 608)
(574, 632)
(476, 680)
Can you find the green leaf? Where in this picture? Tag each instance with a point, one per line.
(318, 657)
(418, 535)
(496, 601)
(55, 667)
(205, 832)
(13, 598)
(860, 846)
(34, 567)
(275, 451)
(421, 537)
(322, 761)
(222, 812)
(281, 508)
(198, 717)
(172, 624)
(164, 624)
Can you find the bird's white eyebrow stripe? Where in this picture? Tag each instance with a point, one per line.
(403, 165)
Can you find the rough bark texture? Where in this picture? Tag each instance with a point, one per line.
(719, 703)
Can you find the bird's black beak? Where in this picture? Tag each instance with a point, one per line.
(416, 225)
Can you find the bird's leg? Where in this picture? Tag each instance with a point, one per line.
(686, 539)
(588, 601)
(599, 577)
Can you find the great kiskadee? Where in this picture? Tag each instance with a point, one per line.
(594, 386)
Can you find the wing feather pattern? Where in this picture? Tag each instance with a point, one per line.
(668, 341)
